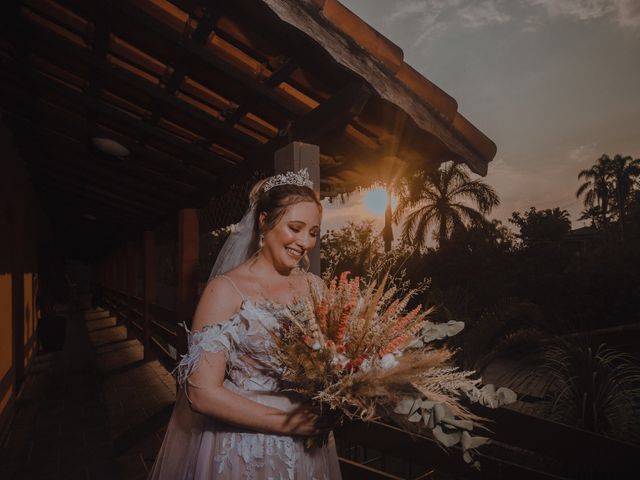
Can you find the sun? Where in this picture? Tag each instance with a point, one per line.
(376, 200)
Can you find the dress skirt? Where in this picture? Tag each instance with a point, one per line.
(197, 447)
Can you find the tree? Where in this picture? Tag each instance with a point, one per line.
(352, 248)
(623, 171)
(440, 198)
(485, 237)
(596, 188)
(541, 227)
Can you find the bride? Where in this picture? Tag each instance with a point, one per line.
(230, 420)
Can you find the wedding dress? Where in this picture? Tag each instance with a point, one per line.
(197, 447)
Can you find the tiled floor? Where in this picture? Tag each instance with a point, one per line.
(138, 396)
(92, 411)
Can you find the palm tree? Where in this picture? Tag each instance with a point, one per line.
(387, 231)
(623, 171)
(438, 198)
(597, 188)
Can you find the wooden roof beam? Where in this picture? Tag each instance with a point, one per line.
(133, 123)
(130, 191)
(55, 185)
(101, 35)
(332, 114)
(59, 199)
(96, 192)
(205, 55)
(126, 177)
(326, 117)
(107, 68)
(199, 35)
(279, 76)
(174, 167)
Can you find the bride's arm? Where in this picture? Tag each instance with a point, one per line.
(205, 387)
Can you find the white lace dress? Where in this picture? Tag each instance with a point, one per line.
(199, 447)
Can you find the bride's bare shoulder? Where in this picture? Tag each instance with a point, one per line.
(218, 303)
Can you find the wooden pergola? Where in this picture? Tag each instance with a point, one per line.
(202, 93)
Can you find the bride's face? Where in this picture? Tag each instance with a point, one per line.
(294, 235)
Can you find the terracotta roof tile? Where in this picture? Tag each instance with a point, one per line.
(390, 56)
(478, 140)
(428, 91)
(387, 52)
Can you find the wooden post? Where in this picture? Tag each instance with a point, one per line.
(296, 156)
(130, 284)
(131, 269)
(114, 268)
(149, 288)
(188, 254)
(122, 255)
(17, 289)
(119, 264)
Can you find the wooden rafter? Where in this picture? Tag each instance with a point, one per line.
(92, 190)
(60, 203)
(104, 67)
(129, 190)
(331, 115)
(209, 58)
(165, 169)
(207, 161)
(273, 81)
(91, 196)
(101, 34)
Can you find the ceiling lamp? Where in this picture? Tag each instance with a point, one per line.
(110, 147)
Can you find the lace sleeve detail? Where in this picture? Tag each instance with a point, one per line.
(221, 337)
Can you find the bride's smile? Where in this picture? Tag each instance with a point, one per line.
(293, 236)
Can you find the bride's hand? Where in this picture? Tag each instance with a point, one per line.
(307, 421)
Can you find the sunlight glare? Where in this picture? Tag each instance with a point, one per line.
(376, 200)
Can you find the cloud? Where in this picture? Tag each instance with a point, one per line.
(580, 9)
(625, 13)
(629, 13)
(583, 152)
(478, 15)
(435, 16)
(406, 9)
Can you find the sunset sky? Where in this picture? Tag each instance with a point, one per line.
(555, 83)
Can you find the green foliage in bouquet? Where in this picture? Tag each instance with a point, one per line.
(359, 350)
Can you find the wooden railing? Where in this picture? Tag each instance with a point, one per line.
(523, 446)
(162, 325)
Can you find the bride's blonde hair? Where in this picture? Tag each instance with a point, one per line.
(275, 201)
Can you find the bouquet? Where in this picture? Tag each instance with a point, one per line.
(358, 350)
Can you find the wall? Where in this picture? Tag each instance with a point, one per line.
(23, 228)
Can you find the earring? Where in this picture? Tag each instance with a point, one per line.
(260, 241)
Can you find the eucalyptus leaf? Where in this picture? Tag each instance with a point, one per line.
(506, 396)
(415, 417)
(447, 439)
(463, 424)
(405, 406)
(469, 441)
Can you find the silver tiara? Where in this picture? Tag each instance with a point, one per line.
(300, 178)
